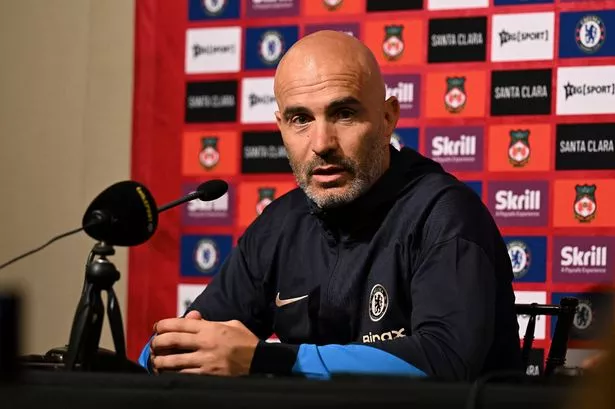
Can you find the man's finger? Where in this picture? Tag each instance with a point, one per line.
(174, 341)
(194, 315)
(192, 371)
(178, 325)
(176, 362)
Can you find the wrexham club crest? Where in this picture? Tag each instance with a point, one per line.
(455, 98)
(393, 45)
(209, 155)
(519, 148)
(585, 204)
(266, 195)
(332, 4)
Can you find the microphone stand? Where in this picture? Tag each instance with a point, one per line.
(83, 352)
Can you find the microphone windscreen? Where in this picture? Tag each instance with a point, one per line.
(129, 213)
(212, 190)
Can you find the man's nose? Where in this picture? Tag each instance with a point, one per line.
(324, 138)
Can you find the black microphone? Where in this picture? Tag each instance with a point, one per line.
(124, 214)
(207, 191)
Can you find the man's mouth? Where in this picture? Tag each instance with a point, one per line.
(327, 174)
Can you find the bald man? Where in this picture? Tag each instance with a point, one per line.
(379, 263)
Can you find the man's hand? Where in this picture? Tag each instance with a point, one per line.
(214, 348)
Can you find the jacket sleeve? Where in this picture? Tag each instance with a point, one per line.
(452, 293)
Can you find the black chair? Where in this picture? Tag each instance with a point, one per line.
(564, 312)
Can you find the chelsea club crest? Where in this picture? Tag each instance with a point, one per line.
(214, 7)
(520, 258)
(206, 256)
(271, 47)
(590, 34)
(378, 302)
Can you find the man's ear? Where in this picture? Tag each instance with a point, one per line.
(278, 118)
(391, 115)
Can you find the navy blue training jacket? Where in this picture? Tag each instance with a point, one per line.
(411, 278)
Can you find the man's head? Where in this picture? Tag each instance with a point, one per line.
(334, 120)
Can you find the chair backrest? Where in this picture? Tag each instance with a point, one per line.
(564, 312)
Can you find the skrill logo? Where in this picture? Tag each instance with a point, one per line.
(456, 148)
(522, 203)
(212, 213)
(583, 259)
(406, 88)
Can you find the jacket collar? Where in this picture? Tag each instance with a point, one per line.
(370, 208)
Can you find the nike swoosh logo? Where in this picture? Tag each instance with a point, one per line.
(281, 303)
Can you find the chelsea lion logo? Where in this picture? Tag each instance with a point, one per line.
(520, 258)
(206, 256)
(271, 47)
(590, 34)
(584, 316)
(378, 303)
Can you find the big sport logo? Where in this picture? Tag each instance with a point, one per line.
(586, 90)
(522, 37)
(213, 50)
(186, 294)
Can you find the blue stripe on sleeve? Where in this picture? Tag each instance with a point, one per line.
(322, 361)
(144, 357)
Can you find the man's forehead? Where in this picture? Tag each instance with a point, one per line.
(319, 92)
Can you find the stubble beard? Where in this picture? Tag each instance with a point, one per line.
(360, 181)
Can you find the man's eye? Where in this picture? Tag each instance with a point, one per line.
(299, 120)
(345, 113)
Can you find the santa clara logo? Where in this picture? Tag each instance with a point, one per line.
(271, 47)
(206, 256)
(585, 204)
(209, 155)
(332, 5)
(393, 45)
(519, 148)
(520, 257)
(455, 98)
(378, 302)
(266, 195)
(590, 34)
(214, 7)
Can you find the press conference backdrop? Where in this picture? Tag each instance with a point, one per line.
(515, 97)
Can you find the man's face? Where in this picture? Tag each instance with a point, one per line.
(335, 136)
